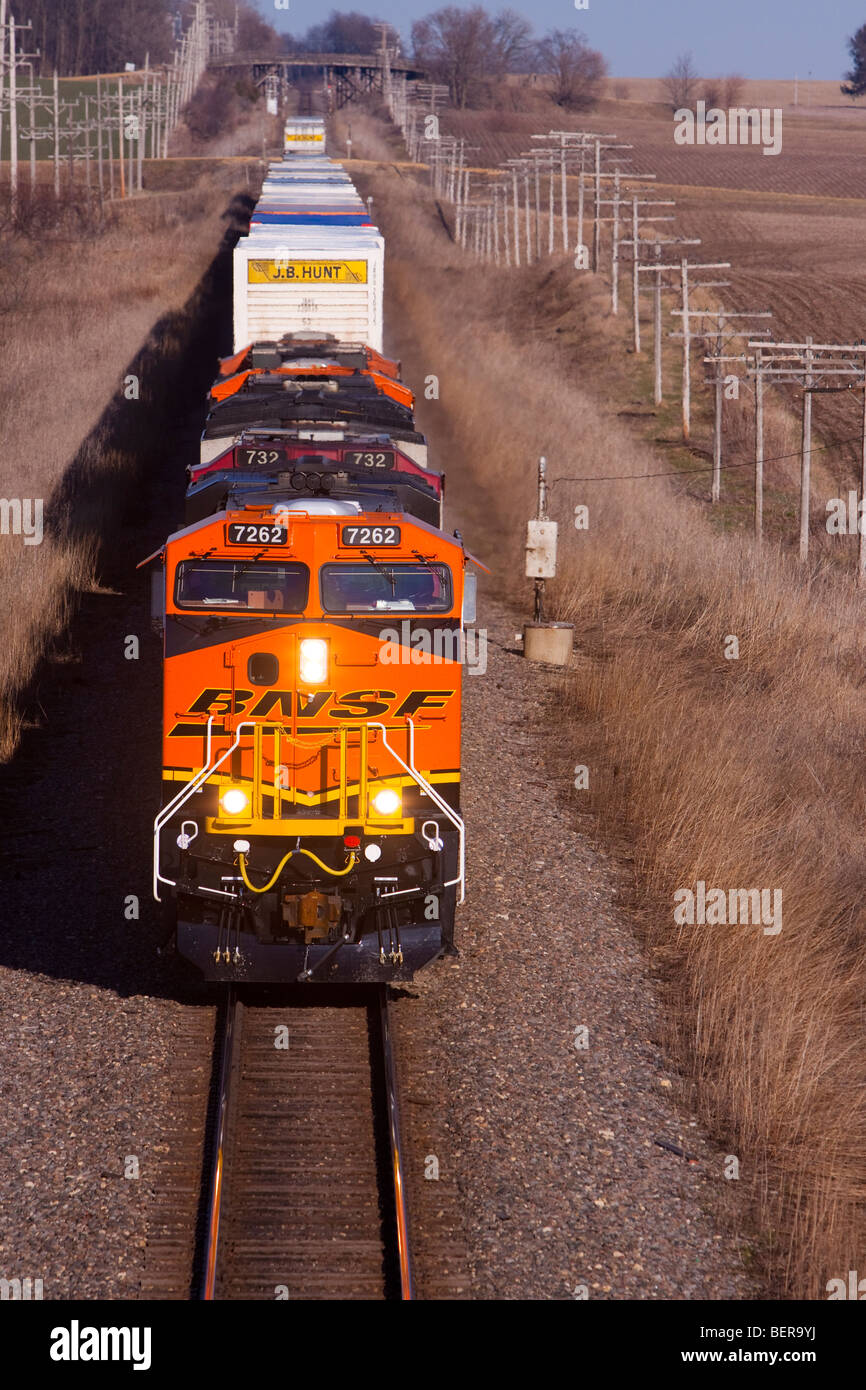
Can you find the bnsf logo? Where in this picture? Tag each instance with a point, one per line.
(353, 706)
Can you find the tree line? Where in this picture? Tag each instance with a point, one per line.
(468, 50)
(92, 36)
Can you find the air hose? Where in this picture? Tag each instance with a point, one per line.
(335, 873)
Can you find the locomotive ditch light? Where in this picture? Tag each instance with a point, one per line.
(313, 661)
(373, 852)
(234, 801)
(387, 802)
(241, 846)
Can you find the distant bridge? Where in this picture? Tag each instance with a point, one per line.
(350, 74)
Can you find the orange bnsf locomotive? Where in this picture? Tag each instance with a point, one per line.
(313, 613)
(310, 826)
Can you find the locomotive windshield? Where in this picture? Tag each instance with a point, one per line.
(242, 586)
(379, 587)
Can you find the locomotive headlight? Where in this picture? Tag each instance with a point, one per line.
(387, 802)
(313, 661)
(234, 801)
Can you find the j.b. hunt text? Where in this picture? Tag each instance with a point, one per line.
(739, 125)
(737, 906)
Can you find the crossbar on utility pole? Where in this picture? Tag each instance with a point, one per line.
(685, 314)
(723, 317)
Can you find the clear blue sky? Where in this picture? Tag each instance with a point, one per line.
(640, 38)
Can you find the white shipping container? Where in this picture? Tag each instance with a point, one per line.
(304, 136)
(309, 279)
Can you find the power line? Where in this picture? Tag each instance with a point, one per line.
(706, 468)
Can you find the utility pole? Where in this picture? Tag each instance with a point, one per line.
(120, 148)
(13, 122)
(634, 241)
(806, 455)
(759, 446)
(2, 67)
(717, 381)
(686, 314)
(806, 365)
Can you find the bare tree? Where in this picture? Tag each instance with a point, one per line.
(351, 32)
(512, 41)
(732, 86)
(577, 70)
(681, 82)
(458, 47)
(711, 92)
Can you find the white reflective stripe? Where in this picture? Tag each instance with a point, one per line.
(434, 796)
(183, 795)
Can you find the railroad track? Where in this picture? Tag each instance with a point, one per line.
(304, 1192)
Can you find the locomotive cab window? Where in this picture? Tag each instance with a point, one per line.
(242, 586)
(383, 587)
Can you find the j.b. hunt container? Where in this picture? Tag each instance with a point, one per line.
(299, 278)
(304, 135)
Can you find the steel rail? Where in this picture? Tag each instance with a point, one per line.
(226, 1020)
(407, 1282)
(397, 1248)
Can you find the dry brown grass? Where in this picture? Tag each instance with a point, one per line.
(76, 312)
(743, 773)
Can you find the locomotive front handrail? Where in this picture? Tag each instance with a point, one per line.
(183, 795)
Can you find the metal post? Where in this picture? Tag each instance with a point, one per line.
(806, 455)
(516, 221)
(528, 218)
(542, 509)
